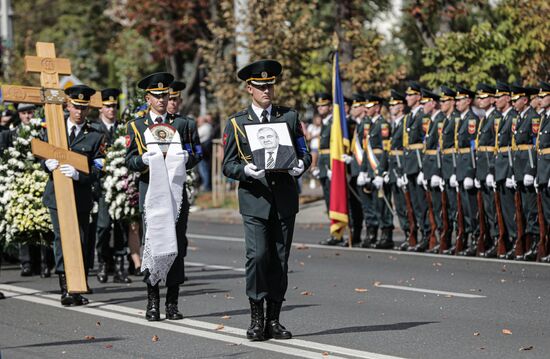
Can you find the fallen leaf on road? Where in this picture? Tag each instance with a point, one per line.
(294, 287)
(228, 296)
(193, 249)
(503, 269)
(89, 337)
(302, 264)
(437, 264)
(377, 283)
(360, 301)
(301, 246)
(361, 290)
(448, 296)
(506, 332)
(476, 334)
(155, 338)
(226, 317)
(108, 346)
(325, 354)
(337, 254)
(98, 324)
(220, 327)
(503, 281)
(530, 347)
(306, 292)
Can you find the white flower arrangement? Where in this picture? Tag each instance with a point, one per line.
(23, 217)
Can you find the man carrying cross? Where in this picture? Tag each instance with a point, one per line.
(85, 140)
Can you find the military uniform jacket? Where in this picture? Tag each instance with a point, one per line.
(465, 145)
(5, 138)
(90, 143)
(109, 136)
(377, 134)
(257, 197)
(503, 142)
(323, 163)
(447, 145)
(415, 129)
(135, 144)
(431, 164)
(354, 166)
(485, 145)
(395, 158)
(525, 136)
(543, 150)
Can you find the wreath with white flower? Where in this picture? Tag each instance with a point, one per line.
(23, 217)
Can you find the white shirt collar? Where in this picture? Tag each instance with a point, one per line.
(109, 125)
(506, 112)
(327, 119)
(435, 114)
(258, 111)
(489, 111)
(154, 116)
(397, 120)
(463, 114)
(375, 118)
(70, 126)
(415, 110)
(525, 111)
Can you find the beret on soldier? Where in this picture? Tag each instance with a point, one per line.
(262, 72)
(157, 83)
(109, 96)
(322, 98)
(462, 93)
(396, 98)
(80, 94)
(428, 96)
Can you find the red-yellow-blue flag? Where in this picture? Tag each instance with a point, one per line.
(339, 145)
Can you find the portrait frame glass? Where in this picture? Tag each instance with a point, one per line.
(271, 145)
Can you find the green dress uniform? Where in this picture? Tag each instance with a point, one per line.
(355, 202)
(543, 162)
(323, 162)
(485, 165)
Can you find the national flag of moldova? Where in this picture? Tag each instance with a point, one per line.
(339, 145)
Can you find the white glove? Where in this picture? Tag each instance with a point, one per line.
(405, 180)
(511, 182)
(378, 181)
(528, 180)
(400, 182)
(435, 181)
(184, 155)
(420, 178)
(477, 184)
(453, 182)
(296, 171)
(442, 185)
(146, 156)
(362, 178)
(315, 172)
(251, 171)
(386, 178)
(70, 171)
(548, 184)
(490, 181)
(347, 159)
(52, 164)
(329, 174)
(536, 183)
(468, 183)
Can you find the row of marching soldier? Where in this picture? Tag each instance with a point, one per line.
(465, 172)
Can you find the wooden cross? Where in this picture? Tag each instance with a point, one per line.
(57, 148)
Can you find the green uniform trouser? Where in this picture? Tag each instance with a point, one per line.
(529, 208)
(381, 209)
(83, 224)
(508, 208)
(325, 185)
(469, 209)
(488, 197)
(400, 207)
(268, 243)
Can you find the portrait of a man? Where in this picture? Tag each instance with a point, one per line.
(272, 155)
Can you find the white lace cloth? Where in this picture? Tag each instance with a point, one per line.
(162, 203)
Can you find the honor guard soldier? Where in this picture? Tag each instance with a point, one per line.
(375, 137)
(108, 256)
(543, 160)
(485, 164)
(431, 164)
(157, 90)
(525, 168)
(466, 133)
(504, 175)
(174, 101)
(395, 175)
(268, 201)
(416, 124)
(89, 142)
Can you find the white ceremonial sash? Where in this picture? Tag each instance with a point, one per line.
(162, 204)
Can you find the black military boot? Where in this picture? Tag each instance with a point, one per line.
(102, 275)
(492, 251)
(471, 251)
(66, 298)
(172, 294)
(420, 246)
(372, 235)
(79, 299)
(120, 275)
(255, 331)
(450, 251)
(45, 271)
(531, 254)
(386, 239)
(331, 241)
(2, 296)
(152, 313)
(545, 259)
(274, 329)
(26, 269)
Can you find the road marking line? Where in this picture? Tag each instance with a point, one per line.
(379, 251)
(121, 313)
(213, 266)
(431, 291)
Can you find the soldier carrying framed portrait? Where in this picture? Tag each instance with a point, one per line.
(271, 145)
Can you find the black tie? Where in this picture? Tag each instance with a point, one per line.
(264, 116)
(159, 119)
(72, 135)
(112, 131)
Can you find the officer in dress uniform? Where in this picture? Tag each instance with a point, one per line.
(157, 91)
(543, 157)
(84, 139)
(375, 137)
(416, 124)
(174, 101)
(504, 175)
(395, 162)
(466, 132)
(485, 163)
(431, 164)
(268, 201)
(107, 255)
(525, 166)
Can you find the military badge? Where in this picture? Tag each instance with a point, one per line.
(160, 85)
(496, 123)
(80, 96)
(440, 128)
(385, 130)
(535, 125)
(225, 139)
(102, 147)
(514, 123)
(426, 124)
(471, 127)
(128, 142)
(264, 74)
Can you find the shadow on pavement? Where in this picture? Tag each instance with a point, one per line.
(67, 342)
(368, 328)
(287, 308)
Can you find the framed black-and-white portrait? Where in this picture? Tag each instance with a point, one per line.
(271, 145)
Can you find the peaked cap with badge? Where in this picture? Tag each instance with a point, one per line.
(447, 93)
(322, 99)
(109, 96)
(358, 100)
(428, 96)
(414, 88)
(373, 100)
(176, 88)
(544, 89)
(157, 83)
(484, 90)
(261, 72)
(80, 95)
(462, 93)
(396, 98)
(503, 89)
(26, 107)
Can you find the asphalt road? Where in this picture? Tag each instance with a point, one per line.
(341, 303)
